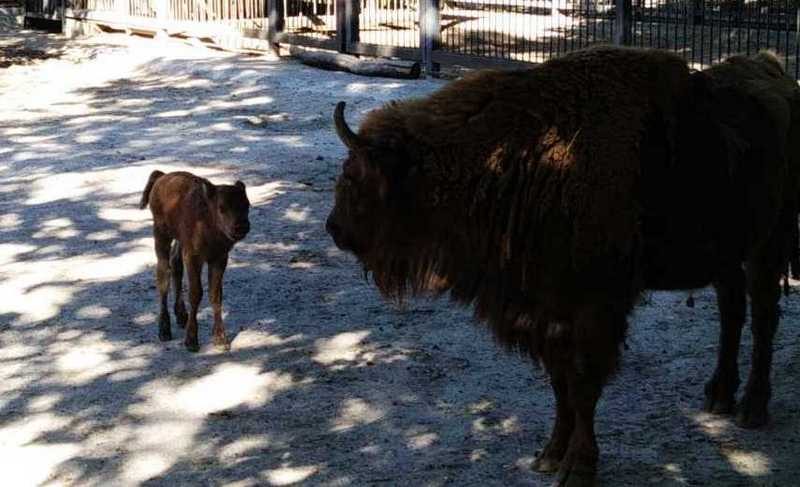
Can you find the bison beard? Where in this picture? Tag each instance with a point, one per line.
(551, 198)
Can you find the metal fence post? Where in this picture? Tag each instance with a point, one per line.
(429, 34)
(347, 23)
(623, 23)
(276, 20)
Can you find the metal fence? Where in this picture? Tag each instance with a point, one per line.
(488, 32)
(483, 32)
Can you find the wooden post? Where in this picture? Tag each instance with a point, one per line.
(347, 23)
(276, 20)
(429, 34)
(623, 23)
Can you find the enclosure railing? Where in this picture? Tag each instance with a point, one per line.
(488, 32)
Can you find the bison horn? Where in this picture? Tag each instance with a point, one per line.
(349, 138)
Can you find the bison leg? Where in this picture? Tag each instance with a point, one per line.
(176, 266)
(764, 290)
(162, 244)
(794, 250)
(193, 266)
(596, 352)
(216, 269)
(732, 303)
(549, 460)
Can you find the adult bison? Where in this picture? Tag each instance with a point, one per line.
(551, 198)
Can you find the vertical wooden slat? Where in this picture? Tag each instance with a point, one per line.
(623, 23)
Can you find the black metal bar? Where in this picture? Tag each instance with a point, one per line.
(429, 33)
(276, 20)
(623, 23)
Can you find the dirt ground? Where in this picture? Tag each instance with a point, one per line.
(326, 384)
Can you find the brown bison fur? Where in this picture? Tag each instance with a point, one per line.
(758, 107)
(549, 199)
(204, 221)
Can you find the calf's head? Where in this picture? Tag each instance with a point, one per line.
(231, 209)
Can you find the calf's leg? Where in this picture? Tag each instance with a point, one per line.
(194, 265)
(216, 269)
(721, 388)
(162, 244)
(176, 266)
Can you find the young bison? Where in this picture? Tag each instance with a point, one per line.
(205, 221)
(550, 198)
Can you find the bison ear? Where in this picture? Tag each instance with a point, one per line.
(239, 185)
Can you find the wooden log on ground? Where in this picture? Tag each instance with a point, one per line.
(334, 61)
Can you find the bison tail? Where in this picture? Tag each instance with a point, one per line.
(146, 193)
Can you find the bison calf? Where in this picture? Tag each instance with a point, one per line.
(204, 221)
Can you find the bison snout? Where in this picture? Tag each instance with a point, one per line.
(241, 230)
(335, 231)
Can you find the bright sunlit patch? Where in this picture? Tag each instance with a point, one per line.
(33, 464)
(87, 138)
(144, 465)
(228, 386)
(355, 412)
(93, 312)
(8, 252)
(57, 228)
(103, 235)
(424, 440)
(753, 464)
(344, 347)
(41, 404)
(290, 475)
(296, 214)
(243, 446)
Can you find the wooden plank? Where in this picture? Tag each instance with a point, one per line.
(429, 32)
(337, 61)
(477, 62)
(410, 53)
(301, 40)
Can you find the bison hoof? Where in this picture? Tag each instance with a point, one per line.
(719, 405)
(575, 476)
(720, 398)
(546, 464)
(549, 460)
(164, 335)
(752, 413)
(192, 346)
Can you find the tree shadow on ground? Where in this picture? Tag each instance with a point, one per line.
(326, 384)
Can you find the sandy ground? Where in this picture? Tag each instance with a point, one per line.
(326, 384)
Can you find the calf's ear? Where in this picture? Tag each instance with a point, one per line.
(239, 185)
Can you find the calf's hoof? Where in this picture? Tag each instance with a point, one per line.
(192, 346)
(222, 343)
(164, 335)
(181, 317)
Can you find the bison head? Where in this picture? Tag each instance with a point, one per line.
(232, 208)
(380, 211)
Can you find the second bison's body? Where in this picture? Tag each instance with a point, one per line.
(550, 198)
